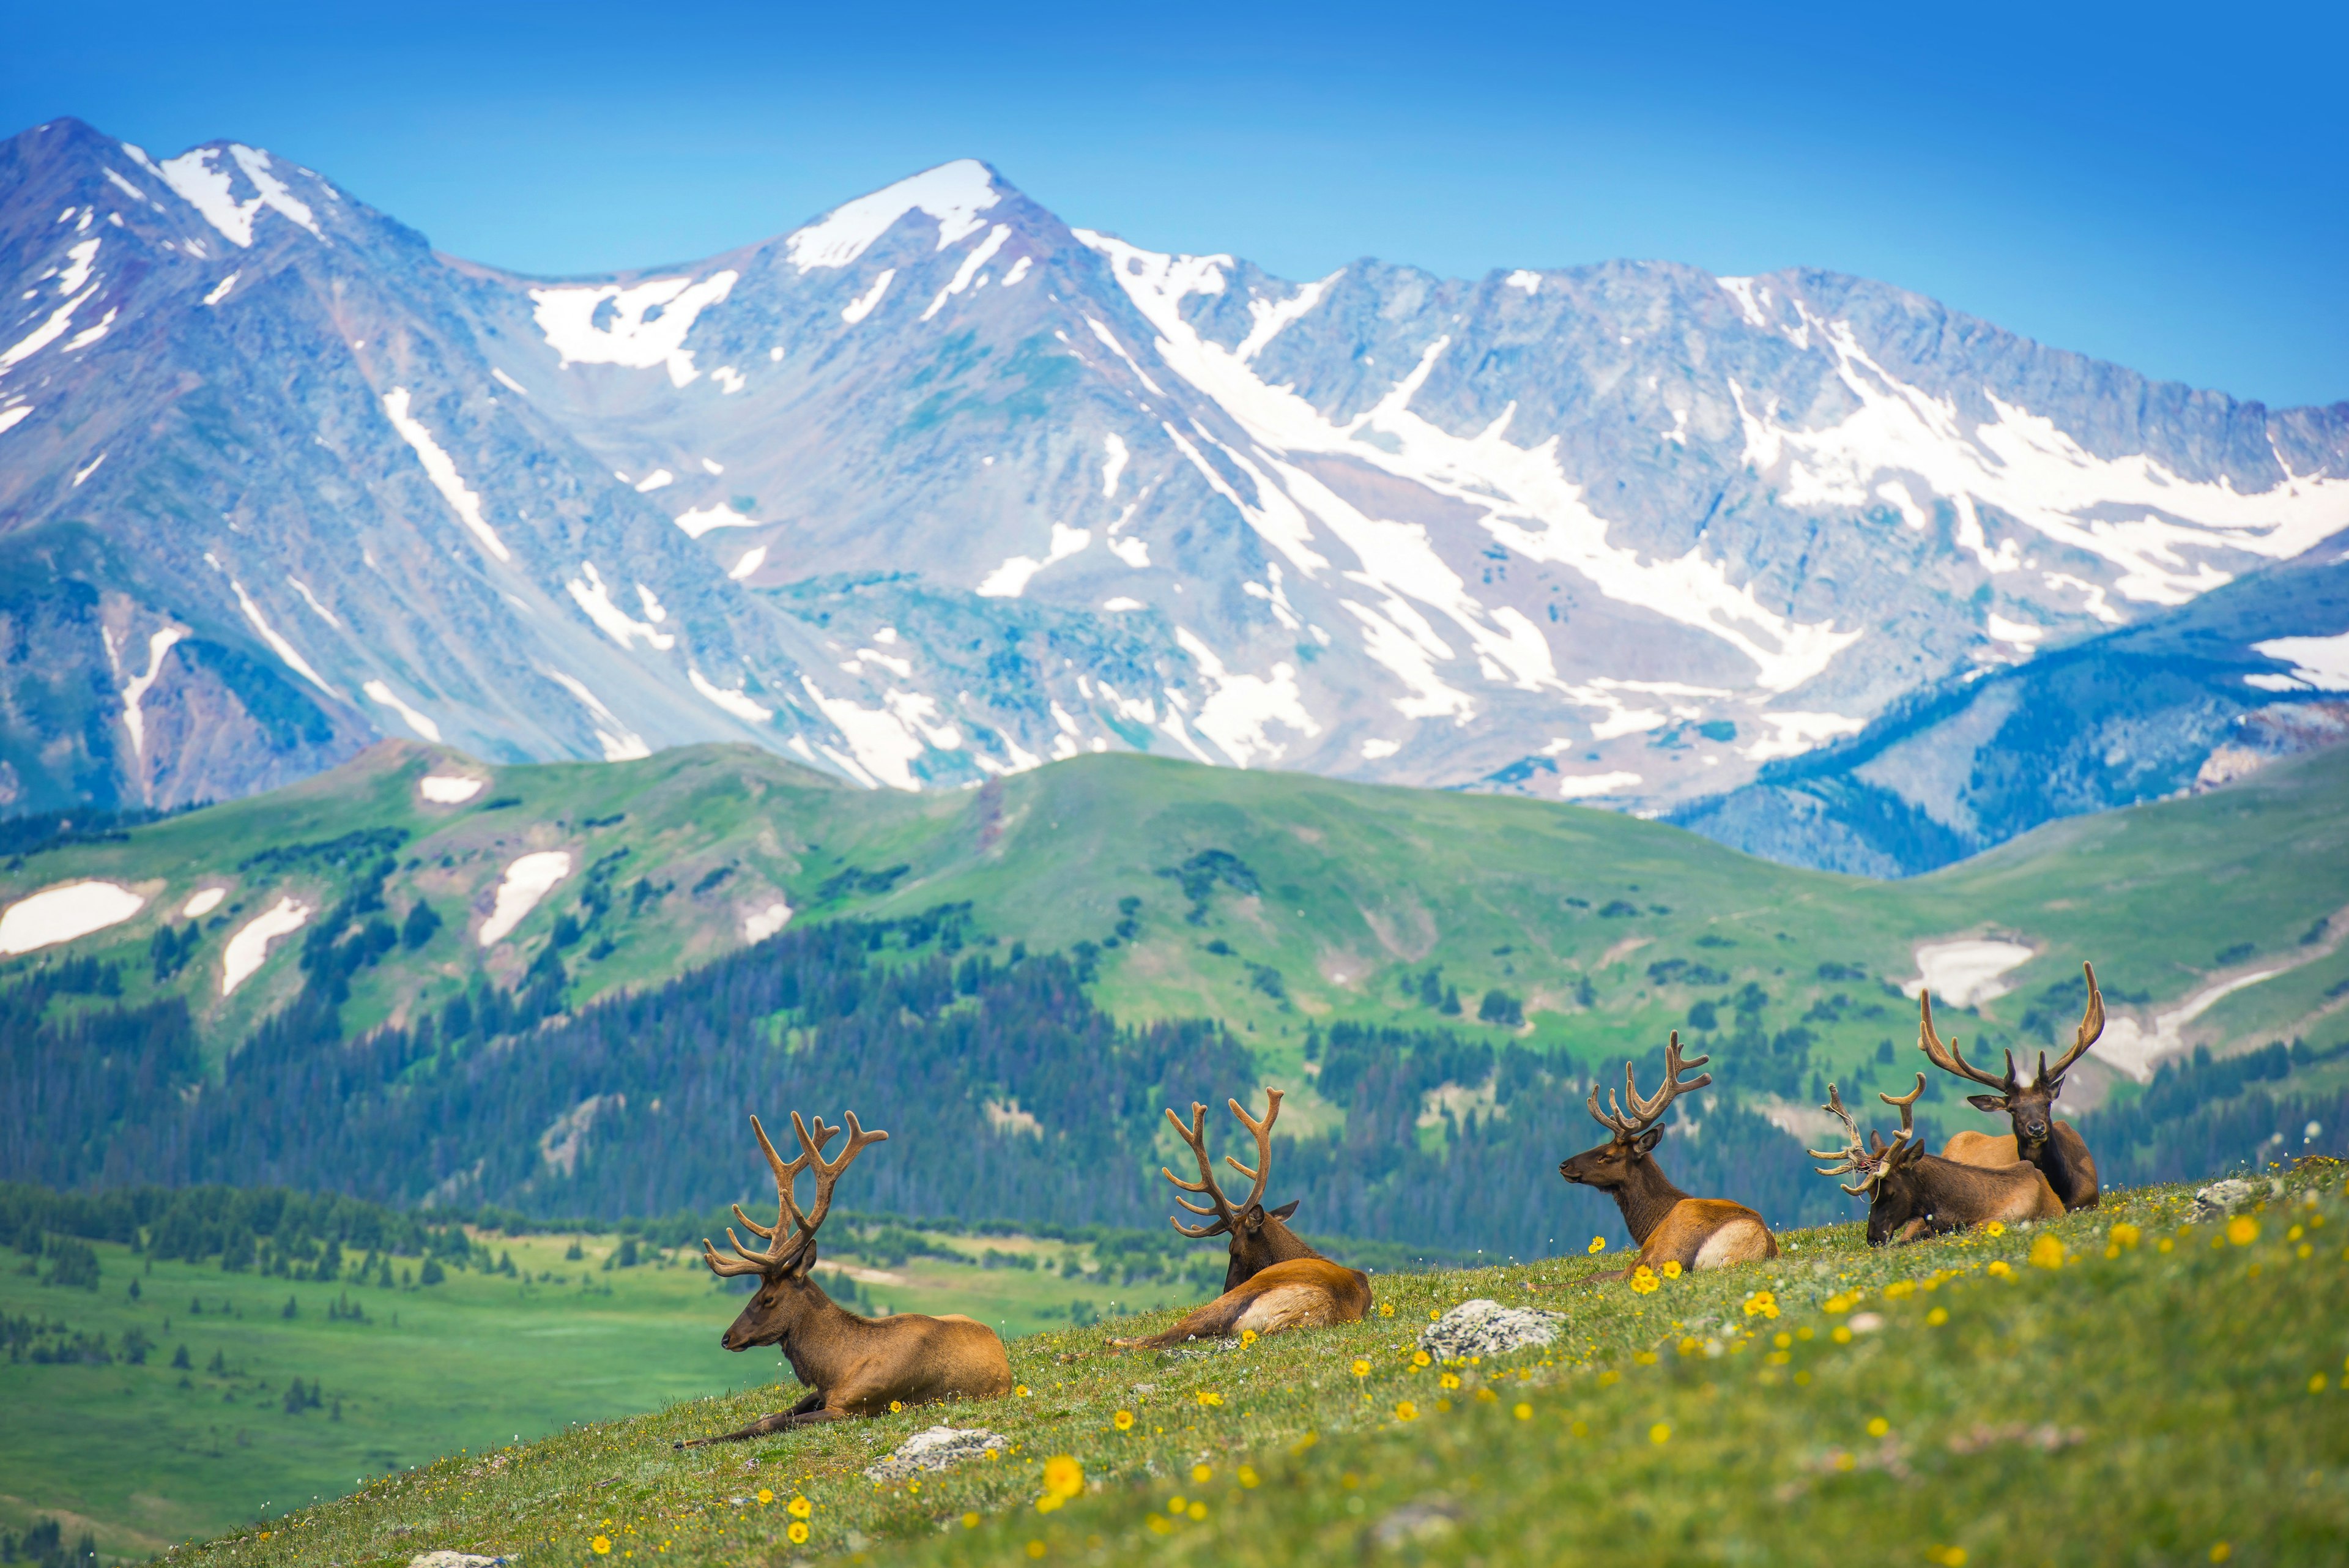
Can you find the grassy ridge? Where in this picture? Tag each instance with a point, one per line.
(148, 1454)
(2114, 1387)
(1333, 896)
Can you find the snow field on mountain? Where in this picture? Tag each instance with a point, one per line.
(526, 881)
(61, 914)
(246, 950)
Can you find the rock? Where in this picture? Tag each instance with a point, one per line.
(937, 1448)
(2224, 1198)
(1416, 1522)
(454, 1560)
(1487, 1328)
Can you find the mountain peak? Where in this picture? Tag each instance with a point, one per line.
(953, 193)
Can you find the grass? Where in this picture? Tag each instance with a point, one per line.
(148, 1454)
(1349, 891)
(2118, 1386)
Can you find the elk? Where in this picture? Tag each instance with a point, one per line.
(1911, 1193)
(1669, 1225)
(2055, 1148)
(854, 1366)
(1275, 1281)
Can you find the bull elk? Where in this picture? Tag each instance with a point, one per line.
(854, 1366)
(1275, 1281)
(1669, 1225)
(2055, 1148)
(1911, 1193)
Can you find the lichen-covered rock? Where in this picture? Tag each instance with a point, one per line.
(454, 1560)
(2224, 1198)
(936, 1448)
(1487, 1328)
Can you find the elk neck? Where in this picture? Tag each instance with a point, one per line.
(2057, 1159)
(1646, 1196)
(822, 1338)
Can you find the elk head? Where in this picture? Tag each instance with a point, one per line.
(1260, 1236)
(786, 1295)
(2031, 1109)
(1613, 1165)
(1887, 1172)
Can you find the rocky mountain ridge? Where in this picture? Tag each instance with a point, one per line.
(936, 486)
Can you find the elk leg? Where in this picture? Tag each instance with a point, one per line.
(765, 1426)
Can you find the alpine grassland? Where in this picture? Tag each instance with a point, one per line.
(2124, 1385)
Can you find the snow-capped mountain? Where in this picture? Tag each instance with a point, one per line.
(935, 487)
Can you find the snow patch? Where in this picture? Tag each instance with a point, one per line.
(884, 738)
(758, 926)
(1121, 604)
(1582, 786)
(11, 418)
(1266, 320)
(1378, 750)
(159, 643)
(648, 322)
(1795, 733)
(508, 382)
(620, 744)
(751, 560)
(219, 289)
(283, 649)
(2134, 1048)
(736, 703)
(526, 881)
(658, 479)
(202, 902)
(1530, 282)
(2022, 634)
(442, 472)
(57, 914)
(1968, 972)
(1242, 707)
(615, 623)
(860, 307)
(1010, 580)
(1019, 270)
(730, 381)
(1135, 553)
(2319, 663)
(310, 598)
(246, 949)
(46, 333)
(210, 191)
(953, 193)
(450, 789)
(420, 722)
(701, 520)
(1114, 456)
(970, 266)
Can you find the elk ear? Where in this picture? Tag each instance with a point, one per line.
(1648, 1140)
(1992, 1103)
(1288, 1209)
(797, 1265)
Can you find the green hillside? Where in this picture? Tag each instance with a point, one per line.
(1270, 900)
(2115, 1387)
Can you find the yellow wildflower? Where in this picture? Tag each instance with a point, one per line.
(2242, 1229)
(1661, 1433)
(1597, 1244)
(1020, 1389)
(1644, 1284)
(1209, 1397)
(1878, 1427)
(1671, 1270)
(1836, 1302)
(1522, 1412)
(1049, 1501)
(1386, 1309)
(1764, 1304)
(1201, 1474)
(2123, 1235)
(1063, 1477)
(2047, 1252)
(1450, 1380)
(1937, 1317)
(765, 1497)
(799, 1507)
(798, 1532)
(1248, 1476)
(1197, 1510)
(1361, 1368)
(1123, 1420)
(602, 1545)
(1419, 1358)
(1995, 1227)
(1406, 1411)
(1247, 1337)
(1842, 1335)
(897, 1407)
(970, 1521)
(1998, 1268)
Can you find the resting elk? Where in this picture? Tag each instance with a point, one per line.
(855, 1366)
(2059, 1151)
(1275, 1281)
(1911, 1193)
(1669, 1225)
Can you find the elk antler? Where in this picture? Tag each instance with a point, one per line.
(1226, 1213)
(1948, 1057)
(1645, 1113)
(1855, 1157)
(1907, 1106)
(2092, 1025)
(802, 1230)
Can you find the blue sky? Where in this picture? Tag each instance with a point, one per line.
(2161, 187)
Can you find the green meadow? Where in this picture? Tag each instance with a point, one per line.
(2120, 1386)
(147, 1453)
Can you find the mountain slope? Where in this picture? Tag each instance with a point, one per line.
(2186, 699)
(935, 487)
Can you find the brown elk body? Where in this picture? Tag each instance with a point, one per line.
(1669, 1225)
(2055, 1148)
(1275, 1281)
(851, 1366)
(1911, 1194)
